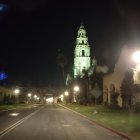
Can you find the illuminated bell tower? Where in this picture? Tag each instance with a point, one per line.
(81, 53)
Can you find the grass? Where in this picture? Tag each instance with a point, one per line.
(126, 122)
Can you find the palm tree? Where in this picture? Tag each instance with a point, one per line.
(61, 61)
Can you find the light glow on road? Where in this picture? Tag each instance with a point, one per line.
(14, 114)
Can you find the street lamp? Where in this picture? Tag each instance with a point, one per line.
(35, 96)
(66, 93)
(76, 89)
(29, 95)
(17, 91)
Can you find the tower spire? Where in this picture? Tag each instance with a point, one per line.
(82, 24)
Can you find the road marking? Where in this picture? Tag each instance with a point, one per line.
(8, 129)
(66, 125)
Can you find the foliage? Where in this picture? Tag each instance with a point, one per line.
(127, 90)
(61, 61)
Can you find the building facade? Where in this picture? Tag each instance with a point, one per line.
(113, 81)
(82, 59)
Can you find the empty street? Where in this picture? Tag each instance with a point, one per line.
(50, 122)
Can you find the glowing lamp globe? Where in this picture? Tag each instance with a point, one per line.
(66, 93)
(136, 56)
(76, 88)
(16, 91)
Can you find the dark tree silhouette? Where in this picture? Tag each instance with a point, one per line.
(127, 90)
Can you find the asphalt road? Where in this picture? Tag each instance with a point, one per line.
(50, 122)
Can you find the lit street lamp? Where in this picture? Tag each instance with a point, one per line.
(66, 93)
(17, 91)
(76, 89)
(35, 96)
(29, 95)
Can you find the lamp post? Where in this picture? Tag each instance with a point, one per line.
(76, 89)
(29, 97)
(17, 91)
(66, 93)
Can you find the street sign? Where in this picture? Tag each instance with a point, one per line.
(96, 92)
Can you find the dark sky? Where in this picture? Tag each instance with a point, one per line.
(32, 31)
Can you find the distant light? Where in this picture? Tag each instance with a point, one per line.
(3, 8)
(66, 93)
(29, 94)
(37, 98)
(61, 97)
(76, 88)
(49, 100)
(14, 114)
(16, 91)
(3, 76)
(136, 56)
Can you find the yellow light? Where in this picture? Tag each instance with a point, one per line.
(29, 94)
(66, 93)
(35, 96)
(136, 56)
(61, 97)
(16, 91)
(49, 100)
(76, 88)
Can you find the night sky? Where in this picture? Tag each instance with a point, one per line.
(32, 32)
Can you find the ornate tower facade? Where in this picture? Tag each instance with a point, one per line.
(82, 58)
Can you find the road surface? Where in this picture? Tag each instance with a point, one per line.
(50, 122)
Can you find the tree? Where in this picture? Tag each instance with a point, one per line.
(61, 61)
(127, 90)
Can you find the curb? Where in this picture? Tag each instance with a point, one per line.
(124, 135)
(7, 110)
(12, 109)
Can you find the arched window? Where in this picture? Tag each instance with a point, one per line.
(83, 53)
